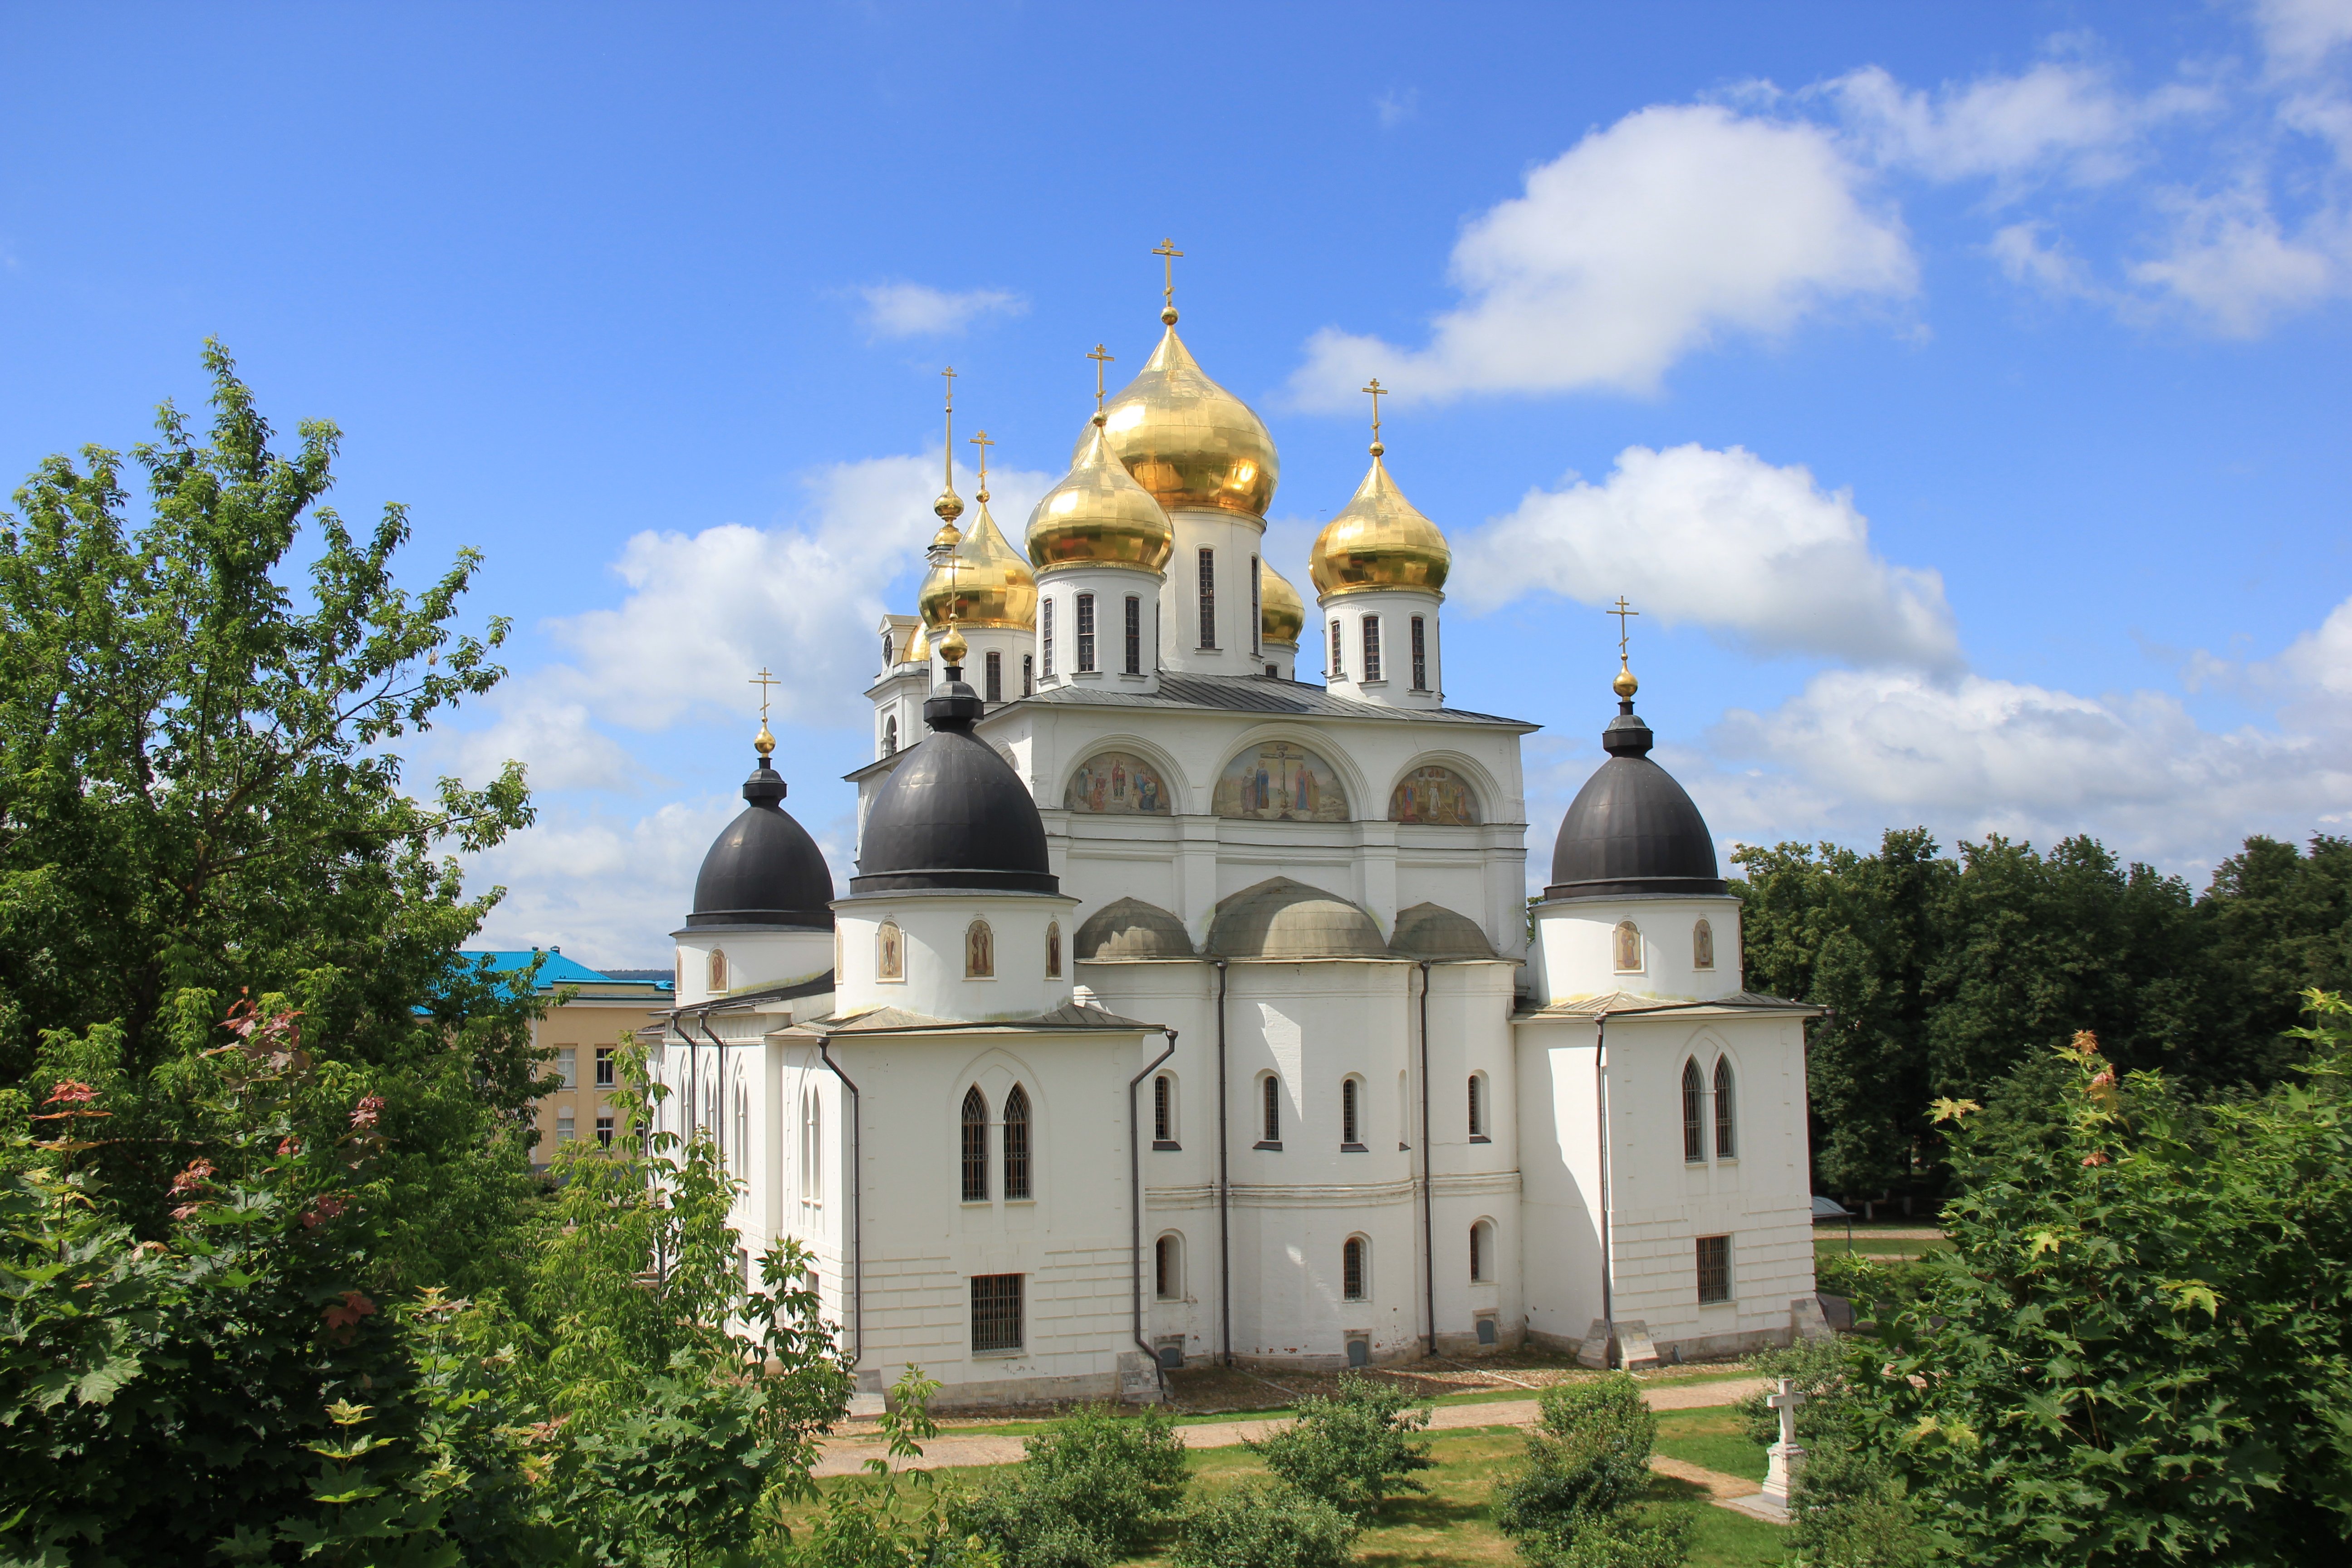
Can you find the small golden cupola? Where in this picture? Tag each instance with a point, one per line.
(1379, 539)
(990, 585)
(1099, 516)
(1282, 614)
(1186, 440)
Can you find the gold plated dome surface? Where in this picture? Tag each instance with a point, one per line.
(991, 584)
(1379, 541)
(1099, 516)
(919, 651)
(1281, 613)
(1189, 441)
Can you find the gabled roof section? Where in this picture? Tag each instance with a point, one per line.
(557, 970)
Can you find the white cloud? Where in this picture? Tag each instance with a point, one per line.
(2066, 119)
(552, 738)
(2024, 256)
(606, 891)
(1757, 554)
(1395, 108)
(1638, 245)
(919, 310)
(2231, 262)
(2299, 34)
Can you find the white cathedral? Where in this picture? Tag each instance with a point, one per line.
(1180, 1009)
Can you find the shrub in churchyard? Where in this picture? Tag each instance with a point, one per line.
(1091, 1492)
(1576, 1499)
(2137, 1350)
(1851, 1509)
(1354, 1449)
(1264, 1527)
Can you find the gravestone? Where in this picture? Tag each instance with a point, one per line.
(1786, 1461)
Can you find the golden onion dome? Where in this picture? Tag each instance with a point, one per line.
(1281, 613)
(1188, 440)
(1098, 516)
(1378, 540)
(919, 651)
(990, 585)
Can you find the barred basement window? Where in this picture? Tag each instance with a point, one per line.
(1085, 633)
(1046, 639)
(995, 1313)
(1419, 653)
(1694, 1114)
(1016, 1144)
(995, 687)
(975, 1146)
(1134, 635)
(1713, 1269)
(1371, 648)
(1724, 1145)
(1208, 598)
(1351, 1269)
(1339, 665)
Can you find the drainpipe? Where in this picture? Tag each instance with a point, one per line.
(1601, 1110)
(856, 1209)
(719, 1074)
(1225, 1191)
(1428, 1189)
(1135, 1180)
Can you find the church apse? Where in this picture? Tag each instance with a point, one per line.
(1117, 783)
(1436, 795)
(1279, 782)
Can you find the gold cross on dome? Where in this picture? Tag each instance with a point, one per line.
(983, 443)
(1100, 359)
(1376, 389)
(1168, 253)
(1620, 611)
(763, 680)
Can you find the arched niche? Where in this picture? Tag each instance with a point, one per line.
(1118, 783)
(1280, 781)
(1436, 796)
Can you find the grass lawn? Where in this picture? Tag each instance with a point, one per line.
(1714, 1437)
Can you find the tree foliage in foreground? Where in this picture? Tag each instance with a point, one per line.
(1944, 974)
(2141, 1349)
(1576, 1502)
(1353, 1449)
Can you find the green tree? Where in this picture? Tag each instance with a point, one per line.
(1353, 1449)
(1576, 1502)
(2274, 923)
(201, 792)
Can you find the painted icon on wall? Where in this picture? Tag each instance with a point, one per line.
(979, 951)
(1279, 782)
(1117, 783)
(889, 952)
(1436, 796)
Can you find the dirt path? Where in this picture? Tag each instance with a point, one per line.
(846, 1455)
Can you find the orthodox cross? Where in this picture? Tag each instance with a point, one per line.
(1375, 388)
(1786, 1402)
(983, 443)
(1620, 611)
(949, 448)
(1168, 253)
(1100, 359)
(763, 680)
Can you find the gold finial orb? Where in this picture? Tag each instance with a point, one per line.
(948, 537)
(948, 507)
(1168, 314)
(764, 743)
(1379, 449)
(953, 648)
(1624, 686)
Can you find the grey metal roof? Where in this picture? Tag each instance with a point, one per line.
(899, 1021)
(1625, 1005)
(1258, 694)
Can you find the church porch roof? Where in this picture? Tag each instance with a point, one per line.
(1626, 1004)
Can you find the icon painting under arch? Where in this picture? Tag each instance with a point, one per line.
(1117, 783)
(1280, 781)
(1439, 796)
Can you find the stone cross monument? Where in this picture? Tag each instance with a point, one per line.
(1788, 1461)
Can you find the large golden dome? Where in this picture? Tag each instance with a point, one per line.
(1281, 613)
(991, 584)
(1379, 541)
(1098, 516)
(1188, 440)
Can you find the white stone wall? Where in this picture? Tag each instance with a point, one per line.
(1238, 540)
(1394, 609)
(757, 956)
(1576, 957)
(1111, 586)
(933, 926)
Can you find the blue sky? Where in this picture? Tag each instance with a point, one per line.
(1961, 391)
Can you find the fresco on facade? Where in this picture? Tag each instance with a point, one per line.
(1436, 796)
(1279, 782)
(1117, 783)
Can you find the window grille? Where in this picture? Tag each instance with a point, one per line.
(1086, 632)
(1339, 665)
(1016, 1144)
(1419, 653)
(1371, 648)
(1257, 611)
(1694, 1114)
(1351, 1269)
(567, 1065)
(995, 664)
(1723, 1107)
(1208, 598)
(975, 1146)
(995, 1313)
(1163, 1110)
(1134, 635)
(1272, 1094)
(1348, 1128)
(604, 1066)
(1713, 1269)
(1046, 639)
(1477, 1111)
(604, 1131)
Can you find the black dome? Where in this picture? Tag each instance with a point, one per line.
(952, 814)
(764, 869)
(1631, 828)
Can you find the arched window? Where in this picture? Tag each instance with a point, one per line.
(1167, 1267)
(1338, 670)
(1694, 1113)
(1702, 946)
(1269, 1088)
(890, 736)
(740, 1164)
(718, 970)
(812, 1163)
(975, 1146)
(1355, 1277)
(1351, 1128)
(1725, 1145)
(1054, 949)
(889, 952)
(1477, 1106)
(1016, 1144)
(979, 951)
(1629, 948)
(1163, 1109)
(1482, 1251)
(889, 652)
